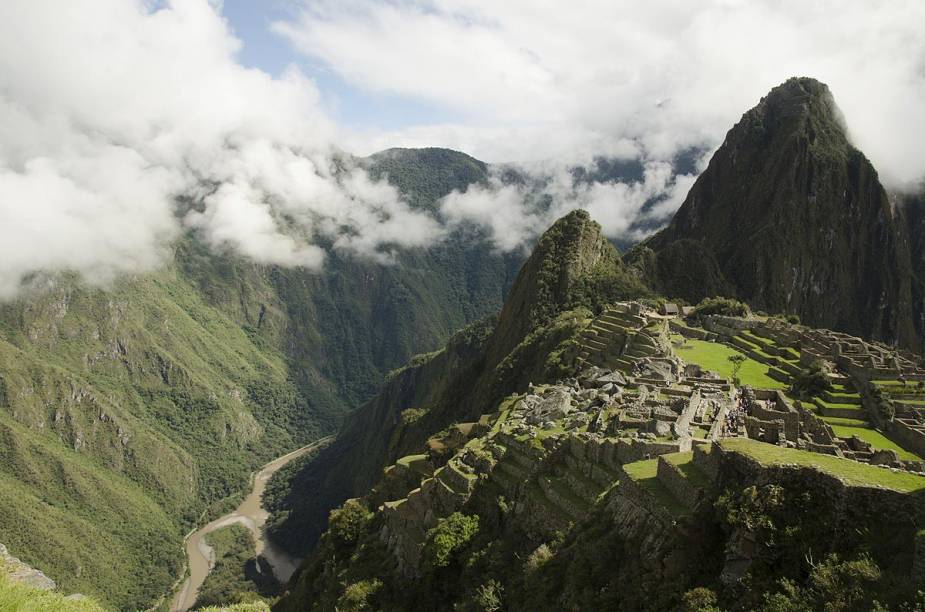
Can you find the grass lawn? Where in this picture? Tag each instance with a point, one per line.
(851, 472)
(714, 356)
(874, 438)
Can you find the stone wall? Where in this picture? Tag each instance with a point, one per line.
(910, 438)
(918, 564)
(679, 485)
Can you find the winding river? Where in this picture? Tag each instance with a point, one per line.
(201, 557)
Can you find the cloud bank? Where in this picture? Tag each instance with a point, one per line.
(113, 114)
(539, 79)
(124, 123)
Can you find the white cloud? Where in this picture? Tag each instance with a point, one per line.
(538, 79)
(515, 214)
(109, 110)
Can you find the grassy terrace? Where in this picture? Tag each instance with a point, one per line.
(850, 472)
(855, 407)
(645, 474)
(685, 463)
(872, 437)
(714, 357)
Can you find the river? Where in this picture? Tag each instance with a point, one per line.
(201, 557)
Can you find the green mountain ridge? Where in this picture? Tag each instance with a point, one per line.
(166, 389)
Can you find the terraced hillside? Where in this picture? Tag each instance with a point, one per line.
(620, 469)
(777, 355)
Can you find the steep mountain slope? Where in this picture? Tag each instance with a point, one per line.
(790, 217)
(572, 271)
(127, 412)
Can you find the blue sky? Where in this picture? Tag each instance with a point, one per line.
(350, 106)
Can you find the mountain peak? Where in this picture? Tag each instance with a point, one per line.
(786, 207)
(800, 107)
(568, 259)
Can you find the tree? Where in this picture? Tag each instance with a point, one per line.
(736, 360)
(451, 534)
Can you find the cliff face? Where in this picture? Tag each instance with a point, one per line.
(791, 218)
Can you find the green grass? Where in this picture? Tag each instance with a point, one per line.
(844, 421)
(854, 407)
(851, 472)
(23, 598)
(714, 357)
(875, 439)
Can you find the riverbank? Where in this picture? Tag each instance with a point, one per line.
(251, 514)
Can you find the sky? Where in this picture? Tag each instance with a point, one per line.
(115, 114)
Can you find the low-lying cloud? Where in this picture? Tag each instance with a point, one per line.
(124, 123)
(539, 79)
(114, 116)
(514, 214)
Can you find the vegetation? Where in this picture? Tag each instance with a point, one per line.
(450, 535)
(736, 361)
(235, 577)
(21, 597)
(811, 381)
(720, 306)
(715, 357)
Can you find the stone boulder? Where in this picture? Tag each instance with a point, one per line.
(555, 404)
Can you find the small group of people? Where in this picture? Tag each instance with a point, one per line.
(735, 416)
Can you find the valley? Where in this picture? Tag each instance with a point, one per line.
(250, 513)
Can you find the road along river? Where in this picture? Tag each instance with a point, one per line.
(251, 514)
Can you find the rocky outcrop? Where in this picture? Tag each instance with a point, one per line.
(17, 571)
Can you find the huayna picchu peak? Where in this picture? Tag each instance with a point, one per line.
(462, 306)
(790, 217)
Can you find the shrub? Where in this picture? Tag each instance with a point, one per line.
(538, 558)
(721, 306)
(356, 596)
(347, 523)
(488, 596)
(451, 534)
(700, 599)
(411, 415)
(811, 381)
